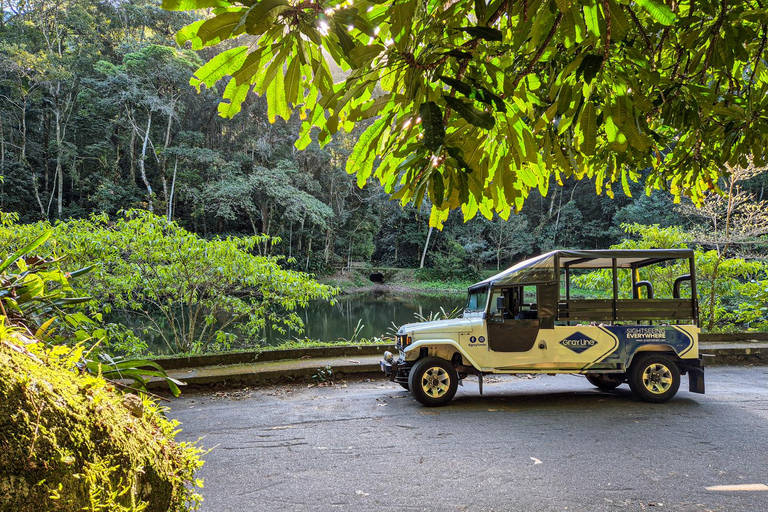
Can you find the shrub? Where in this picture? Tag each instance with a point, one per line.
(69, 441)
(188, 290)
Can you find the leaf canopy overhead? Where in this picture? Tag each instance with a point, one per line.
(474, 104)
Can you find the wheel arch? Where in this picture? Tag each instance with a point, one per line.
(443, 348)
(654, 348)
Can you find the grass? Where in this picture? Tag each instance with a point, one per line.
(309, 343)
(399, 279)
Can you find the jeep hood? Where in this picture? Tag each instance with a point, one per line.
(452, 326)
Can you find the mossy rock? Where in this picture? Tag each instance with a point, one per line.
(70, 441)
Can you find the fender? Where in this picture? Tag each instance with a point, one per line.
(656, 348)
(418, 345)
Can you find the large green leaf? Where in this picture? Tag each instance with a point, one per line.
(276, 101)
(185, 5)
(360, 55)
(363, 155)
(487, 33)
(261, 16)
(220, 66)
(460, 86)
(293, 81)
(432, 121)
(34, 244)
(250, 66)
(658, 11)
(588, 128)
(236, 94)
(220, 27)
(189, 33)
(472, 115)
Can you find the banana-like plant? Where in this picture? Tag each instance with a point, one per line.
(36, 298)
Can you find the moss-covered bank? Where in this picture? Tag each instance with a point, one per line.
(71, 442)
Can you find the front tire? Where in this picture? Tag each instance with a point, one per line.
(433, 381)
(654, 378)
(606, 381)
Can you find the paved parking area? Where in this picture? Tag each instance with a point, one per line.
(529, 444)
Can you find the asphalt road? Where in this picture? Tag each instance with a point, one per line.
(529, 444)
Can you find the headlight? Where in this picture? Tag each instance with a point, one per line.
(389, 357)
(404, 341)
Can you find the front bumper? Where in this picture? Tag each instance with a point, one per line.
(396, 370)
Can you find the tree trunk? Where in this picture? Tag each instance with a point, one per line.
(142, 162)
(59, 168)
(166, 143)
(2, 146)
(132, 170)
(349, 255)
(498, 250)
(253, 226)
(327, 249)
(173, 189)
(715, 272)
(290, 241)
(35, 185)
(424, 253)
(557, 221)
(397, 245)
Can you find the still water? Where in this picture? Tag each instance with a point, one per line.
(376, 314)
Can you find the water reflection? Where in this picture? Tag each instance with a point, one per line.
(376, 313)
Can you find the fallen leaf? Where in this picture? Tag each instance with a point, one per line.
(353, 361)
(361, 493)
(536, 461)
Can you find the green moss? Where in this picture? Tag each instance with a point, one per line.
(310, 343)
(71, 442)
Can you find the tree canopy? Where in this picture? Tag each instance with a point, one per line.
(474, 104)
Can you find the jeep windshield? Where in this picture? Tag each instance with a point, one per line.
(477, 300)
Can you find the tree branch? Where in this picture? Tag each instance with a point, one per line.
(760, 51)
(643, 34)
(540, 51)
(607, 46)
(716, 34)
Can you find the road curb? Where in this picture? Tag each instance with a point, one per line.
(307, 365)
(283, 376)
(261, 356)
(734, 356)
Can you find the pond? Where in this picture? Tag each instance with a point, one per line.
(377, 314)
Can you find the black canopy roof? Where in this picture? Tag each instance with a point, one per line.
(541, 269)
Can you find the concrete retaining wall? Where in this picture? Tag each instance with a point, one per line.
(174, 363)
(723, 355)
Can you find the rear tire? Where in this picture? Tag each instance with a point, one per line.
(433, 381)
(606, 381)
(654, 378)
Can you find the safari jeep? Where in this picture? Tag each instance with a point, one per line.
(524, 320)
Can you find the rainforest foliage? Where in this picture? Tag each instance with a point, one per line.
(98, 118)
(473, 104)
(69, 438)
